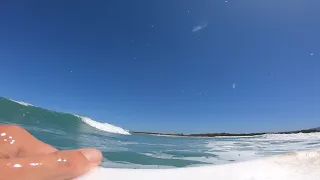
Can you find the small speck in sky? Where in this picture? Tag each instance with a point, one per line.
(148, 44)
(226, 1)
(188, 11)
(71, 71)
(200, 93)
(134, 58)
(152, 26)
(200, 27)
(271, 73)
(311, 54)
(234, 85)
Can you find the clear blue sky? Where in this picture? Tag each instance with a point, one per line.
(167, 65)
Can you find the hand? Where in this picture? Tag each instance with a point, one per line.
(23, 157)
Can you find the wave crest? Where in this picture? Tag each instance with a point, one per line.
(103, 126)
(21, 103)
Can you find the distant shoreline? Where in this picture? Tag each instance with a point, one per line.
(225, 134)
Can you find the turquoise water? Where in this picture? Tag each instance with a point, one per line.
(67, 131)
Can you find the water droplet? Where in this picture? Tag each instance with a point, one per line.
(17, 166)
(12, 141)
(34, 164)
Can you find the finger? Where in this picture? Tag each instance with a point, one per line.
(60, 165)
(17, 142)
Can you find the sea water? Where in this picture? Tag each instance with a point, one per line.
(122, 149)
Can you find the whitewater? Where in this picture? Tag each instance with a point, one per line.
(140, 157)
(293, 166)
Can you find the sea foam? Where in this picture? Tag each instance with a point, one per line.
(293, 166)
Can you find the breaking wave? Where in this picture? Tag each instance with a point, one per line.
(26, 113)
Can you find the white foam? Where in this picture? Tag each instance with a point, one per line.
(103, 126)
(22, 103)
(298, 136)
(159, 155)
(243, 149)
(127, 165)
(202, 159)
(293, 166)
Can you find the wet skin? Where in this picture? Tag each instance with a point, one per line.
(23, 157)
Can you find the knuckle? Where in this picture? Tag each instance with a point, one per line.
(71, 161)
(69, 164)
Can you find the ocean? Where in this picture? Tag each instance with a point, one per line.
(122, 149)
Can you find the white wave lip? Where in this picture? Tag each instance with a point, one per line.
(21, 103)
(103, 126)
(293, 166)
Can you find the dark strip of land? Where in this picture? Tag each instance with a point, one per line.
(229, 134)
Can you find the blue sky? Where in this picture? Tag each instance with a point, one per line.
(171, 66)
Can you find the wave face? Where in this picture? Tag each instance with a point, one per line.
(20, 112)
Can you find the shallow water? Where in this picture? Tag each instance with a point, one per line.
(67, 131)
